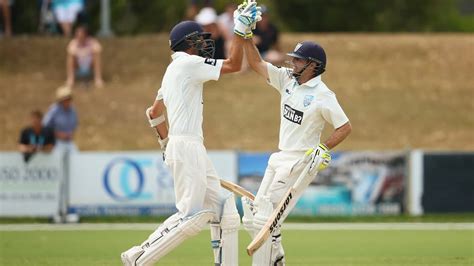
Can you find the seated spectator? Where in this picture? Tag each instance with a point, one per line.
(266, 39)
(207, 17)
(66, 12)
(193, 7)
(35, 137)
(62, 119)
(84, 58)
(5, 7)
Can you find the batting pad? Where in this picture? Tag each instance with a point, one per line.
(224, 235)
(171, 236)
(262, 256)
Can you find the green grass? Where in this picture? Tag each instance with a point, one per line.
(302, 248)
(427, 218)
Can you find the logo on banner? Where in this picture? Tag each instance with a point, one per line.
(124, 180)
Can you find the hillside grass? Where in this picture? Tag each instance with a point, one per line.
(400, 91)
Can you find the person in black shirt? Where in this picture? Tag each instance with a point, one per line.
(35, 137)
(266, 38)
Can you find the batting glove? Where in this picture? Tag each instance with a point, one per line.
(245, 17)
(319, 157)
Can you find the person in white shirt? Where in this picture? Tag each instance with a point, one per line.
(199, 196)
(84, 58)
(306, 105)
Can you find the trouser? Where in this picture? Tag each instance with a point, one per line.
(280, 176)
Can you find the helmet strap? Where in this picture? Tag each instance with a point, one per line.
(297, 75)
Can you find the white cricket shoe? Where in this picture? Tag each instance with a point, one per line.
(130, 256)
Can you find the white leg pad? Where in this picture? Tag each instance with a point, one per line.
(262, 257)
(225, 237)
(278, 254)
(247, 218)
(161, 243)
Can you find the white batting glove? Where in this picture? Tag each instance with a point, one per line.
(319, 157)
(245, 18)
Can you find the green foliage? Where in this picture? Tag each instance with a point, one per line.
(145, 16)
(373, 15)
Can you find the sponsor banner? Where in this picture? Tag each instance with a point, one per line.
(29, 188)
(356, 183)
(129, 183)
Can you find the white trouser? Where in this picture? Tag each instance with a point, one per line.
(196, 184)
(199, 199)
(278, 178)
(63, 147)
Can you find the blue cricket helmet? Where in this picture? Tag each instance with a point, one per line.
(187, 34)
(313, 52)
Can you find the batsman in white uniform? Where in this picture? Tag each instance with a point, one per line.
(306, 105)
(199, 196)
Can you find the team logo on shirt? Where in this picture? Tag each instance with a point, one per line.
(307, 100)
(292, 115)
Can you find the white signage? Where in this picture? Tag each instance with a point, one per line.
(129, 183)
(29, 188)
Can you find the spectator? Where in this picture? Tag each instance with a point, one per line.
(84, 58)
(47, 21)
(193, 7)
(5, 6)
(35, 137)
(225, 21)
(66, 12)
(266, 37)
(207, 17)
(62, 119)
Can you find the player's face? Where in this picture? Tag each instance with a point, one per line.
(298, 64)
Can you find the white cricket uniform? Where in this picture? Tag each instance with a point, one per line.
(304, 111)
(196, 183)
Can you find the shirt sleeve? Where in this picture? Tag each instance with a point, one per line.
(277, 76)
(332, 111)
(96, 47)
(205, 69)
(75, 121)
(72, 47)
(159, 95)
(48, 118)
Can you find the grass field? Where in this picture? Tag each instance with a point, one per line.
(303, 247)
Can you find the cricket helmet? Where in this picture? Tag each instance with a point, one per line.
(313, 52)
(189, 34)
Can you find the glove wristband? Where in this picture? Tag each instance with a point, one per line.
(324, 147)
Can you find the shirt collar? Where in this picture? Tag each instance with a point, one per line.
(312, 82)
(178, 54)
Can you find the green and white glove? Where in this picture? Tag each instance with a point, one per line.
(319, 157)
(246, 16)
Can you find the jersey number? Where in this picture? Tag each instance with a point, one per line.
(210, 61)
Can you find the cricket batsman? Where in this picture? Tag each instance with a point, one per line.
(199, 196)
(306, 105)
